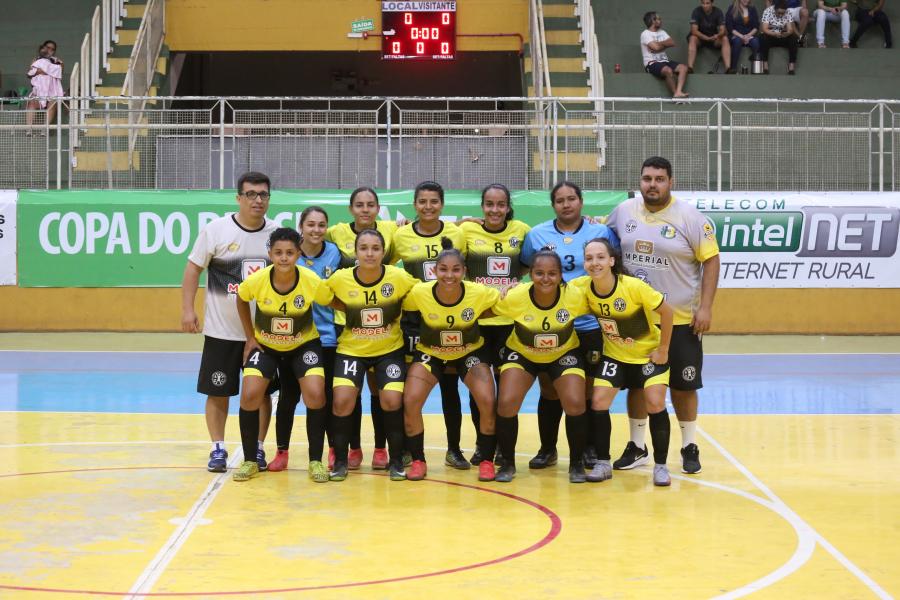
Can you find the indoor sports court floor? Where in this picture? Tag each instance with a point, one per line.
(104, 491)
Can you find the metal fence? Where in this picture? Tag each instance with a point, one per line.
(527, 143)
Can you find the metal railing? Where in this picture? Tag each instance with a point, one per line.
(594, 69)
(527, 143)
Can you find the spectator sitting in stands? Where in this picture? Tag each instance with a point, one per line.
(654, 41)
(800, 15)
(834, 11)
(707, 31)
(742, 23)
(778, 31)
(46, 82)
(869, 12)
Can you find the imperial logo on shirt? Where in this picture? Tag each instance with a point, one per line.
(644, 247)
(650, 260)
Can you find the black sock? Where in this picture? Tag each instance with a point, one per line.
(549, 414)
(474, 413)
(507, 433)
(329, 419)
(342, 434)
(378, 423)
(416, 446)
(249, 421)
(356, 424)
(602, 430)
(660, 429)
(576, 432)
(284, 421)
(393, 426)
(315, 431)
(452, 410)
(488, 445)
(589, 436)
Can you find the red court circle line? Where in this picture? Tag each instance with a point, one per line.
(555, 529)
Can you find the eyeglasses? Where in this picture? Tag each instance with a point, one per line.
(253, 195)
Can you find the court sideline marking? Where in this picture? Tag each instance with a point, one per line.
(784, 508)
(154, 570)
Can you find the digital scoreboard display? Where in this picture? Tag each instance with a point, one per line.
(423, 30)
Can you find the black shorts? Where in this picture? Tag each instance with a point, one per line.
(390, 370)
(704, 43)
(570, 363)
(409, 324)
(657, 67)
(436, 366)
(685, 359)
(495, 337)
(306, 360)
(591, 345)
(611, 373)
(220, 367)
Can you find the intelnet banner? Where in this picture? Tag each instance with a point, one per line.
(805, 240)
(142, 238)
(8, 237)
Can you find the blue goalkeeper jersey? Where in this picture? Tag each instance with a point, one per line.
(327, 262)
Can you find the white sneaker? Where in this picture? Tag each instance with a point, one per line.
(661, 475)
(601, 471)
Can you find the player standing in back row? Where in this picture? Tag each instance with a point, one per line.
(670, 245)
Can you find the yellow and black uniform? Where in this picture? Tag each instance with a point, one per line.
(344, 237)
(419, 252)
(626, 317)
(372, 336)
(492, 259)
(284, 325)
(449, 334)
(543, 338)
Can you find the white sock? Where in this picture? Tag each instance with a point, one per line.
(638, 431)
(260, 444)
(688, 433)
(218, 445)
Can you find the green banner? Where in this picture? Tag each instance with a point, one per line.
(142, 238)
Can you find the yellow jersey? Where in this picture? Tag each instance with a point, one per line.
(343, 235)
(492, 258)
(284, 322)
(449, 332)
(373, 310)
(542, 335)
(419, 252)
(626, 316)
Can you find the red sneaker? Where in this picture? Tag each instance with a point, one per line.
(417, 470)
(380, 459)
(331, 459)
(280, 462)
(354, 458)
(486, 471)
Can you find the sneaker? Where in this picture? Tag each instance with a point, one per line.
(246, 471)
(317, 471)
(354, 458)
(661, 475)
(486, 471)
(690, 459)
(801, 41)
(396, 472)
(632, 457)
(498, 457)
(477, 457)
(261, 459)
(280, 462)
(455, 459)
(417, 470)
(330, 458)
(380, 459)
(406, 458)
(590, 457)
(339, 472)
(543, 459)
(218, 461)
(506, 473)
(576, 473)
(601, 472)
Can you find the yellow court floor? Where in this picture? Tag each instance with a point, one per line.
(96, 504)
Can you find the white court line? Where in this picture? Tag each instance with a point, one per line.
(151, 574)
(785, 509)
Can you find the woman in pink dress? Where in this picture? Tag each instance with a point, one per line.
(46, 82)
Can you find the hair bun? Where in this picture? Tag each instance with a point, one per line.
(446, 243)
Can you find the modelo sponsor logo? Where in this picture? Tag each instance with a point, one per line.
(816, 232)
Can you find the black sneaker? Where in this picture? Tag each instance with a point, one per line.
(506, 473)
(396, 471)
(477, 457)
(261, 459)
(590, 457)
(339, 472)
(576, 473)
(454, 458)
(632, 457)
(543, 459)
(690, 459)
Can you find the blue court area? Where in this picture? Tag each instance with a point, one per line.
(165, 382)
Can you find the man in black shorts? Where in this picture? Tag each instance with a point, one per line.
(708, 31)
(654, 41)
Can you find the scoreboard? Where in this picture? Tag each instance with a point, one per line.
(424, 30)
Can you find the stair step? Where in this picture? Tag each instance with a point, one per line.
(563, 92)
(135, 11)
(562, 65)
(560, 51)
(97, 161)
(114, 132)
(112, 90)
(562, 79)
(120, 65)
(127, 37)
(572, 37)
(560, 23)
(559, 10)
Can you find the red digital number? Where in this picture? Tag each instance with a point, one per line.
(445, 48)
(420, 47)
(445, 18)
(435, 33)
(395, 48)
(407, 18)
(414, 33)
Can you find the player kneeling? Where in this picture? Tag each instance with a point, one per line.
(283, 336)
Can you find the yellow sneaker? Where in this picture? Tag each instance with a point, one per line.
(318, 472)
(246, 471)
